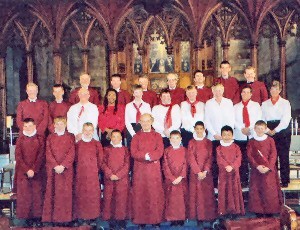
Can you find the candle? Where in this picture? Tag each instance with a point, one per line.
(8, 121)
(292, 125)
(296, 126)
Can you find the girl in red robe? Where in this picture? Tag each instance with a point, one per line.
(175, 168)
(264, 193)
(202, 201)
(116, 182)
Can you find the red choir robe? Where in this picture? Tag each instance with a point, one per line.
(202, 201)
(111, 120)
(29, 155)
(115, 201)
(231, 88)
(259, 91)
(94, 96)
(123, 97)
(147, 187)
(264, 192)
(174, 165)
(37, 110)
(87, 193)
(230, 198)
(177, 95)
(150, 97)
(60, 150)
(57, 110)
(204, 94)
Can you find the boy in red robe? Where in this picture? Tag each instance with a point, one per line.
(230, 198)
(202, 201)
(29, 160)
(60, 152)
(264, 193)
(116, 182)
(88, 161)
(175, 168)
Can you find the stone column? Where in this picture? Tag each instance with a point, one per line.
(85, 59)
(113, 61)
(29, 65)
(2, 99)
(254, 57)
(57, 66)
(283, 67)
(197, 64)
(225, 47)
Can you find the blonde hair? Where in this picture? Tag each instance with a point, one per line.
(84, 75)
(88, 124)
(173, 74)
(32, 84)
(60, 119)
(250, 68)
(220, 86)
(147, 114)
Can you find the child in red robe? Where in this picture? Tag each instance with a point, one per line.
(116, 182)
(175, 168)
(230, 198)
(264, 193)
(202, 201)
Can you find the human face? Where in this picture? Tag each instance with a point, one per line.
(144, 83)
(84, 96)
(227, 136)
(246, 94)
(175, 140)
(172, 81)
(250, 75)
(260, 130)
(88, 131)
(146, 122)
(29, 127)
(199, 129)
(85, 80)
(218, 92)
(32, 92)
(199, 79)
(165, 98)
(58, 93)
(111, 97)
(60, 126)
(115, 82)
(275, 91)
(225, 69)
(116, 138)
(138, 94)
(191, 94)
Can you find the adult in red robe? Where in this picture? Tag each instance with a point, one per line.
(123, 96)
(60, 153)
(149, 96)
(177, 94)
(147, 188)
(204, 93)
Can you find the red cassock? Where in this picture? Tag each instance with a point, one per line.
(88, 161)
(231, 88)
(123, 97)
(29, 155)
(259, 91)
(111, 120)
(204, 94)
(37, 110)
(230, 198)
(60, 150)
(147, 187)
(202, 201)
(177, 95)
(150, 97)
(94, 96)
(115, 202)
(57, 110)
(176, 195)
(264, 192)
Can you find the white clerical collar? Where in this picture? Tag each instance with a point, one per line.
(117, 145)
(225, 77)
(148, 131)
(32, 100)
(86, 139)
(198, 138)
(59, 133)
(85, 86)
(145, 90)
(140, 102)
(176, 146)
(172, 88)
(262, 138)
(118, 90)
(200, 86)
(59, 101)
(226, 144)
(29, 135)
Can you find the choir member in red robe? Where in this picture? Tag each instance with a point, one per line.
(177, 94)
(147, 188)
(60, 152)
(259, 90)
(264, 192)
(111, 116)
(29, 160)
(123, 96)
(230, 199)
(175, 170)
(204, 93)
(202, 201)
(85, 80)
(116, 182)
(88, 161)
(149, 96)
(58, 107)
(33, 108)
(231, 85)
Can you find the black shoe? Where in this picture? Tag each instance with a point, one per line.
(285, 185)
(142, 226)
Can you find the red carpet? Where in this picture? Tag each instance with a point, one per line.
(52, 228)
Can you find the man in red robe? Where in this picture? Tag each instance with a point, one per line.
(204, 93)
(33, 108)
(123, 96)
(58, 107)
(149, 96)
(85, 80)
(60, 152)
(147, 188)
(29, 160)
(177, 94)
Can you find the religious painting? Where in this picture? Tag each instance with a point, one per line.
(157, 84)
(185, 51)
(137, 60)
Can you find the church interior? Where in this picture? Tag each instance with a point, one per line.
(50, 42)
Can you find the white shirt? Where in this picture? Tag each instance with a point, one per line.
(188, 121)
(159, 113)
(130, 114)
(254, 111)
(280, 111)
(90, 114)
(218, 115)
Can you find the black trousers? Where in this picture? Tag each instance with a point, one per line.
(186, 137)
(214, 166)
(244, 169)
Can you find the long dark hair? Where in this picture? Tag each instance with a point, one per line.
(105, 101)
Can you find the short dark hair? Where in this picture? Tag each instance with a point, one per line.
(197, 71)
(226, 128)
(116, 131)
(28, 119)
(224, 63)
(260, 122)
(116, 75)
(175, 132)
(166, 90)
(246, 87)
(136, 86)
(201, 123)
(58, 86)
